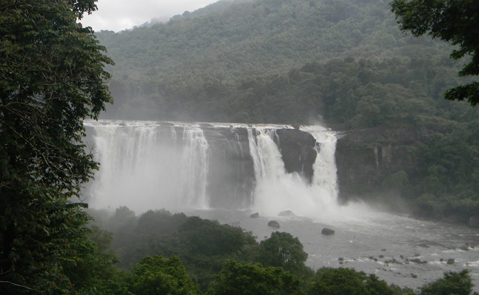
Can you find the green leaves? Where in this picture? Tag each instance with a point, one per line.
(452, 283)
(455, 22)
(345, 281)
(157, 275)
(52, 75)
(283, 250)
(252, 278)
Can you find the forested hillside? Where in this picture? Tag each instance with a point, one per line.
(344, 63)
(165, 72)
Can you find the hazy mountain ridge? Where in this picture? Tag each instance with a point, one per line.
(258, 38)
(216, 7)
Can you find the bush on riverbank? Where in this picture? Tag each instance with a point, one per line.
(190, 255)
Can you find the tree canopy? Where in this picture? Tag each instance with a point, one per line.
(283, 250)
(346, 281)
(453, 21)
(252, 278)
(157, 275)
(452, 283)
(51, 78)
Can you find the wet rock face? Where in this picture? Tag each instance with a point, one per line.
(298, 151)
(231, 178)
(287, 213)
(364, 158)
(327, 231)
(273, 223)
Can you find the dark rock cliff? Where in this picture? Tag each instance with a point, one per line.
(231, 170)
(366, 158)
(298, 151)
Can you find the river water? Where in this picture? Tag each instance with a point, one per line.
(143, 167)
(400, 250)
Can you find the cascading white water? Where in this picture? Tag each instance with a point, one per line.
(278, 191)
(146, 165)
(194, 169)
(143, 168)
(325, 175)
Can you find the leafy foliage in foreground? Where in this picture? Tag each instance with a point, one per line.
(452, 283)
(455, 22)
(51, 78)
(156, 275)
(252, 278)
(348, 281)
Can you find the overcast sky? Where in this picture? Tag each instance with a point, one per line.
(117, 15)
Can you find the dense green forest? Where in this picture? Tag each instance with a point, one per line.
(166, 71)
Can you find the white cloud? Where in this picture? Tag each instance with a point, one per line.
(117, 15)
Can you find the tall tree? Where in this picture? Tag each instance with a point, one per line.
(252, 278)
(346, 281)
(51, 79)
(452, 283)
(454, 21)
(158, 275)
(283, 250)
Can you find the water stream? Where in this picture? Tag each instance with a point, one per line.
(154, 165)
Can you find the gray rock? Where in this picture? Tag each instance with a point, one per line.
(254, 215)
(286, 213)
(327, 231)
(297, 151)
(273, 223)
(423, 245)
(451, 261)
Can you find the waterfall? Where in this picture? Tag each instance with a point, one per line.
(265, 154)
(278, 191)
(143, 166)
(180, 166)
(194, 169)
(325, 176)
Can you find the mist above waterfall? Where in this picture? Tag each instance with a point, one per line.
(178, 166)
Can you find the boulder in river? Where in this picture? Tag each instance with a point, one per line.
(254, 215)
(327, 231)
(451, 261)
(286, 213)
(273, 223)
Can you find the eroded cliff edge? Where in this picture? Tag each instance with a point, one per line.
(369, 160)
